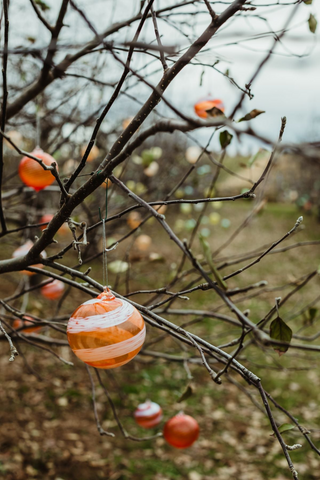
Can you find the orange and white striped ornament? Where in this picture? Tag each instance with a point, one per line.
(53, 290)
(148, 414)
(106, 332)
(31, 172)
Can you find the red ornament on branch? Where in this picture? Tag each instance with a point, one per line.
(201, 108)
(148, 414)
(106, 332)
(18, 323)
(181, 431)
(31, 172)
(53, 290)
(63, 230)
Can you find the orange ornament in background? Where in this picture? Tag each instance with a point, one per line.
(134, 220)
(181, 431)
(53, 290)
(143, 242)
(126, 122)
(106, 183)
(201, 107)
(18, 323)
(94, 153)
(106, 332)
(148, 414)
(32, 174)
(22, 251)
(160, 208)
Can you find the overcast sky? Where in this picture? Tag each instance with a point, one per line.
(288, 85)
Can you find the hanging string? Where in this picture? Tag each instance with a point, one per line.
(38, 126)
(104, 256)
(104, 243)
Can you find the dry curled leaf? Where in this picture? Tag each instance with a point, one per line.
(186, 394)
(215, 112)
(253, 114)
(312, 21)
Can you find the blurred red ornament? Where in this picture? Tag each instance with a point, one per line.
(148, 414)
(31, 172)
(63, 230)
(18, 323)
(201, 107)
(22, 251)
(53, 290)
(181, 431)
(106, 332)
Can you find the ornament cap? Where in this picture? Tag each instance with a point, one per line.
(106, 295)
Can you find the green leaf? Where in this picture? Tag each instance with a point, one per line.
(208, 257)
(253, 114)
(285, 427)
(312, 23)
(307, 2)
(186, 394)
(279, 330)
(225, 138)
(43, 6)
(312, 314)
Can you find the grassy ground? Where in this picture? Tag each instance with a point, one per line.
(48, 430)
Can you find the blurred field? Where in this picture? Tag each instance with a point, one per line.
(48, 430)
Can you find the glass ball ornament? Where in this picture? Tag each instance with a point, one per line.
(33, 328)
(160, 208)
(181, 431)
(148, 414)
(134, 219)
(193, 153)
(63, 230)
(94, 153)
(53, 290)
(143, 243)
(106, 332)
(31, 172)
(22, 251)
(201, 107)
